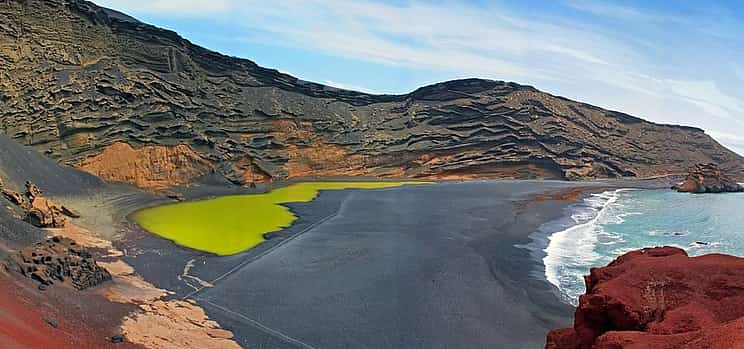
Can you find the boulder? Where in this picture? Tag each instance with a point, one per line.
(46, 214)
(32, 191)
(14, 197)
(708, 178)
(659, 298)
(69, 212)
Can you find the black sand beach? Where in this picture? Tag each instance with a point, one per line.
(432, 266)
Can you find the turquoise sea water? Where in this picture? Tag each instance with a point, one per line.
(609, 224)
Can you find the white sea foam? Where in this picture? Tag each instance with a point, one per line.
(704, 245)
(609, 224)
(569, 250)
(668, 233)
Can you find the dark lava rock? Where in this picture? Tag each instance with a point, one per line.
(117, 339)
(52, 322)
(59, 259)
(106, 82)
(708, 178)
(14, 197)
(175, 196)
(659, 298)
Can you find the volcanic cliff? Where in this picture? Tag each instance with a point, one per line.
(659, 298)
(131, 102)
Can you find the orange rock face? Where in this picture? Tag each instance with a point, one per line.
(150, 167)
(659, 298)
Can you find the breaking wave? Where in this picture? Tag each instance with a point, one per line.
(570, 252)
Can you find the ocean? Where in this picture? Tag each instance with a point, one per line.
(606, 225)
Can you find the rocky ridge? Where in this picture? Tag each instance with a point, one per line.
(99, 90)
(659, 298)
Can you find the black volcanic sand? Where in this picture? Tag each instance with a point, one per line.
(19, 164)
(102, 205)
(431, 266)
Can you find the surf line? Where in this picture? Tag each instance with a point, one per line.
(582, 229)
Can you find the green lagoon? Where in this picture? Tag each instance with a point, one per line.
(232, 224)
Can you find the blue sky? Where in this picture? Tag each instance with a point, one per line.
(666, 61)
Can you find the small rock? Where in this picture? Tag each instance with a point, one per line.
(117, 339)
(52, 322)
(69, 212)
(42, 287)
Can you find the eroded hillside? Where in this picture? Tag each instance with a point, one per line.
(131, 102)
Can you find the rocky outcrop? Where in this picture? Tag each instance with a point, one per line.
(40, 211)
(80, 83)
(708, 178)
(59, 260)
(659, 298)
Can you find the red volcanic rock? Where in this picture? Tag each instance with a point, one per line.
(708, 178)
(58, 318)
(659, 298)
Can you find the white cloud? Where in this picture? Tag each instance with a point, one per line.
(452, 37)
(735, 142)
(611, 10)
(707, 96)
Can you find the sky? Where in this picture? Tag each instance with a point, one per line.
(678, 62)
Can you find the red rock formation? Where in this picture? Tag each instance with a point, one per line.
(659, 298)
(708, 178)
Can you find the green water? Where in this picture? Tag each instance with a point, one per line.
(232, 224)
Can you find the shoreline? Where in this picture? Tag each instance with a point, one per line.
(541, 240)
(545, 237)
(532, 204)
(506, 262)
(503, 267)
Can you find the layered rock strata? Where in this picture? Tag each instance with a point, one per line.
(131, 102)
